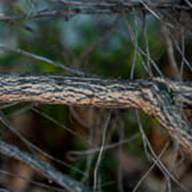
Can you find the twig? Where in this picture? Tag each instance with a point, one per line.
(47, 170)
(70, 70)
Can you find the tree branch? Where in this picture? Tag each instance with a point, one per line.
(157, 97)
(51, 173)
(70, 8)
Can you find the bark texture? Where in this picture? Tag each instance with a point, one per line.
(158, 97)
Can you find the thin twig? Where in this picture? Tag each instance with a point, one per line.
(70, 70)
(99, 158)
(44, 168)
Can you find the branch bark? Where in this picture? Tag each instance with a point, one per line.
(157, 97)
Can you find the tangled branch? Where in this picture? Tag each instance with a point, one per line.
(70, 8)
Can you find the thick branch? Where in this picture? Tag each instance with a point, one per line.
(53, 89)
(158, 97)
